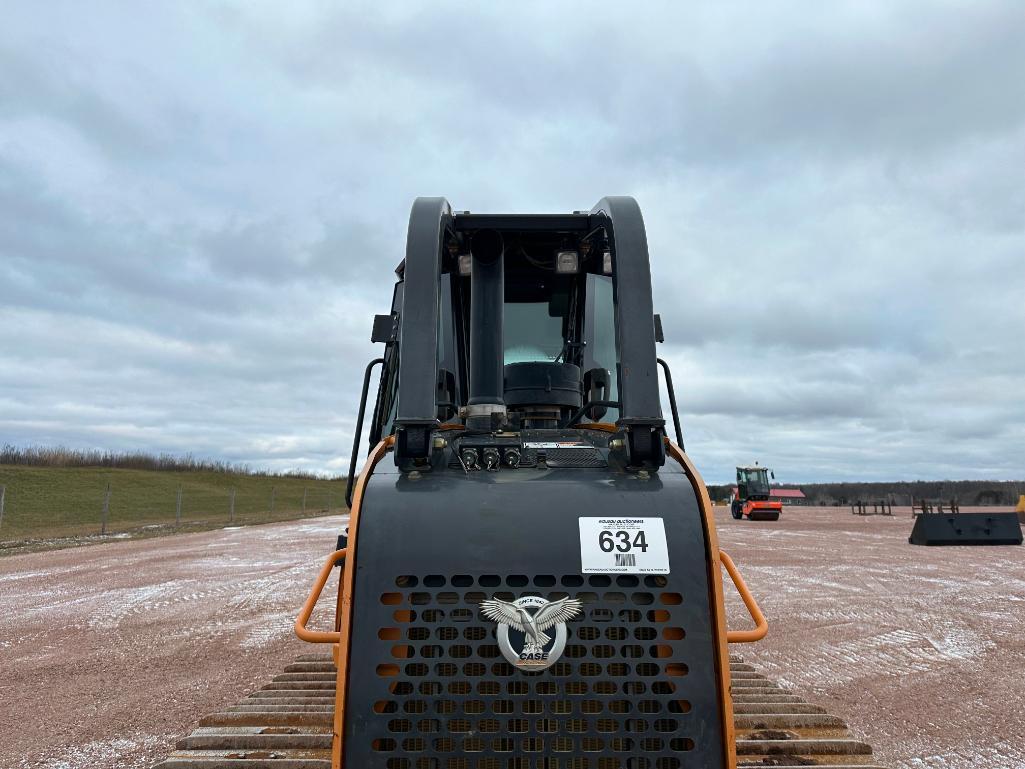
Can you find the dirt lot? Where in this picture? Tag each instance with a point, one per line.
(921, 649)
(109, 652)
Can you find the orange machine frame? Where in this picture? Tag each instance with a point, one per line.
(339, 637)
(750, 505)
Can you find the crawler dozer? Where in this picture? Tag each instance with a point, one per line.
(530, 578)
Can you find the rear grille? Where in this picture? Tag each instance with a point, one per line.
(575, 458)
(448, 699)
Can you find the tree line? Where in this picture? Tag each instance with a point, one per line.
(900, 492)
(61, 456)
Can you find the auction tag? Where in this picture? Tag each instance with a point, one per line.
(623, 546)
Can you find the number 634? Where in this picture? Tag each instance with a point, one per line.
(607, 541)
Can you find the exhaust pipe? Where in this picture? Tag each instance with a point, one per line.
(487, 341)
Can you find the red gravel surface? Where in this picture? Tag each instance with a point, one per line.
(109, 653)
(920, 649)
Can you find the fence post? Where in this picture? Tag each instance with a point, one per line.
(272, 500)
(3, 495)
(106, 510)
(231, 509)
(304, 500)
(178, 508)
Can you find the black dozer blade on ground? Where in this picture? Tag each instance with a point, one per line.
(966, 529)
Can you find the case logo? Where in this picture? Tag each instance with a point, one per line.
(522, 623)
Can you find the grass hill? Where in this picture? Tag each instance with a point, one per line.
(67, 501)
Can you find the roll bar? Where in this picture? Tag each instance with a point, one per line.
(620, 218)
(416, 409)
(641, 413)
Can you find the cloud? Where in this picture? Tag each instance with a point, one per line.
(201, 208)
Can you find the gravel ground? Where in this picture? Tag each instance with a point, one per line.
(921, 649)
(109, 653)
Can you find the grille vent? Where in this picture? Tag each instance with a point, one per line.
(448, 699)
(575, 458)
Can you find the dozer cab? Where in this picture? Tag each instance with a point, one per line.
(752, 498)
(530, 578)
(532, 571)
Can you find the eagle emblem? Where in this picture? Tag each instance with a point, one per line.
(528, 618)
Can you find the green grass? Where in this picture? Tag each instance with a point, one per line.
(44, 502)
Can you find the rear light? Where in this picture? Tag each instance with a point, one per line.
(567, 262)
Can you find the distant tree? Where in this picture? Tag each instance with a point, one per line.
(61, 456)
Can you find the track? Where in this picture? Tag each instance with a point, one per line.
(287, 725)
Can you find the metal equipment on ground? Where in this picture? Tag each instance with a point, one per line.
(966, 529)
(531, 577)
(878, 507)
(752, 499)
(927, 506)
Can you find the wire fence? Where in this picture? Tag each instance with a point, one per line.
(33, 510)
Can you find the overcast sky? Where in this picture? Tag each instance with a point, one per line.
(201, 206)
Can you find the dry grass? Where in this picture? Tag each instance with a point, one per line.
(57, 501)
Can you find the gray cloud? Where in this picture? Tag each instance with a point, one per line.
(201, 207)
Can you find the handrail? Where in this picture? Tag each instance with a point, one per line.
(672, 401)
(318, 636)
(761, 626)
(359, 430)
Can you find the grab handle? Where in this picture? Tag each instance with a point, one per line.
(761, 626)
(318, 636)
